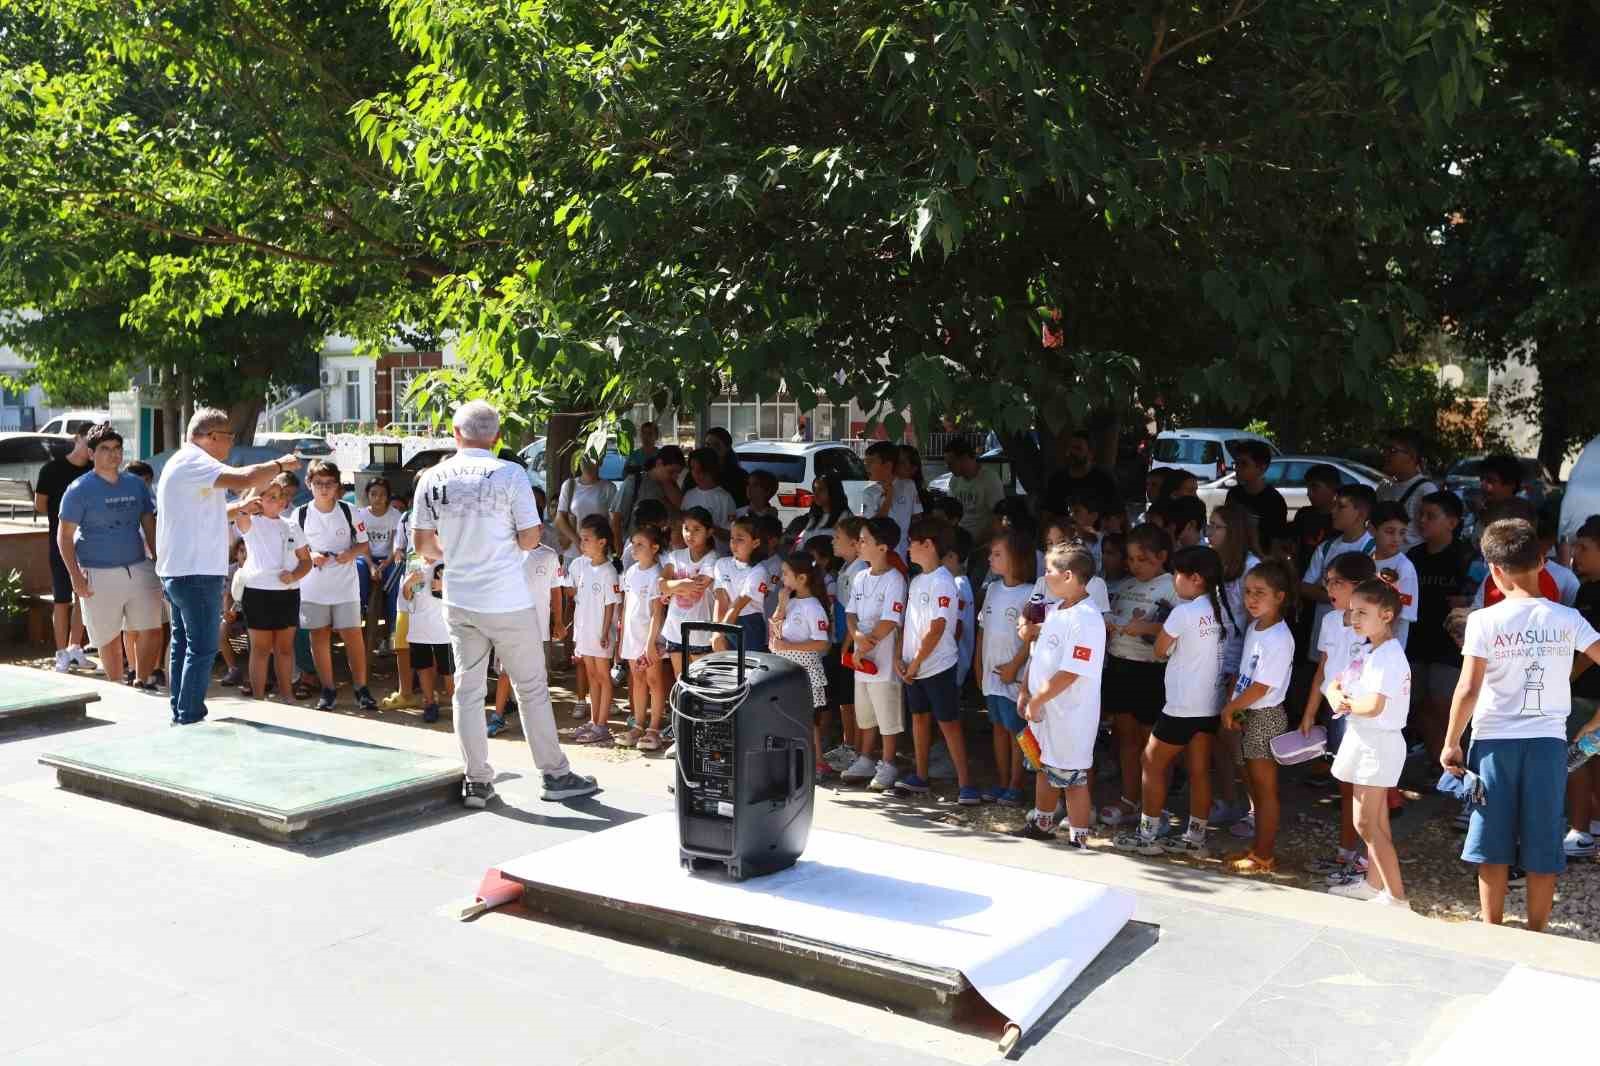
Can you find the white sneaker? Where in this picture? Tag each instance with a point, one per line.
(1383, 899)
(840, 758)
(861, 770)
(63, 661)
(1358, 890)
(883, 780)
(78, 656)
(1577, 845)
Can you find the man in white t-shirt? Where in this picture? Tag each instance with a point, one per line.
(975, 486)
(477, 514)
(1515, 687)
(192, 549)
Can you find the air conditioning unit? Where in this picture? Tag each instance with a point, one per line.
(329, 377)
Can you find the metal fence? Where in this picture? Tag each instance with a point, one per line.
(937, 441)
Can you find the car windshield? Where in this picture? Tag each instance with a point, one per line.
(1185, 450)
(788, 469)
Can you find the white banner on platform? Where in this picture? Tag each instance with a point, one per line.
(1018, 936)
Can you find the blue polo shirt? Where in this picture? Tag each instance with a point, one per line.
(107, 516)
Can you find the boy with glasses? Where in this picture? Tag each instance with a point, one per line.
(330, 595)
(1402, 461)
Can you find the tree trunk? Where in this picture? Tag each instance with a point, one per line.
(561, 444)
(242, 417)
(250, 396)
(1555, 425)
(171, 410)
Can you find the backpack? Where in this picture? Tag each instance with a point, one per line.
(344, 509)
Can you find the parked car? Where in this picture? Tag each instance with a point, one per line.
(1461, 478)
(241, 455)
(21, 456)
(1581, 497)
(305, 445)
(1208, 454)
(1287, 474)
(797, 464)
(994, 457)
(74, 422)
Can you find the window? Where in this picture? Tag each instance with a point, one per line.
(1189, 450)
(400, 380)
(1292, 474)
(788, 469)
(24, 450)
(352, 395)
(843, 462)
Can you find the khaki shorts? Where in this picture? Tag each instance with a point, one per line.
(124, 598)
(330, 615)
(880, 705)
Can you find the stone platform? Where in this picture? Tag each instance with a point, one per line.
(37, 698)
(259, 780)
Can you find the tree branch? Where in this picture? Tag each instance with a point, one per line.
(1241, 9)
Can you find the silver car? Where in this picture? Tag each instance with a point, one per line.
(1287, 474)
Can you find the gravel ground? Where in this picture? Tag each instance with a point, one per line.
(1440, 885)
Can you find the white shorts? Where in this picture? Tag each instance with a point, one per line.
(124, 598)
(330, 615)
(880, 705)
(1373, 757)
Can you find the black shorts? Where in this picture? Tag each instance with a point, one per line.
(1179, 731)
(938, 694)
(1135, 688)
(432, 657)
(841, 682)
(60, 579)
(270, 609)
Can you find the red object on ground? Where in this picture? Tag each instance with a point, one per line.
(496, 890)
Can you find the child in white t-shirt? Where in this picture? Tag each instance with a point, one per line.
(687, 576)
(1002, 656)
(705, 492)
(1390, 527)
(845, 551)
(428, 636)
(801, 634)
(927, 665)
(887, 496)
(1061, 698)
(1256, 708)
(642, 614)
(595, 595)
(734, 602)
(954, 561)
(1376, 701)
(876, 611)
(1131, 688)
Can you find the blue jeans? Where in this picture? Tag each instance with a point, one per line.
(196, 632)
(365, 572)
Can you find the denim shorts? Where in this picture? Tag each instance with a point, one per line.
(1003, 712)
(1059, 778)
(1524, 816)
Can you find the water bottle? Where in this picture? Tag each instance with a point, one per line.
(1582, 750)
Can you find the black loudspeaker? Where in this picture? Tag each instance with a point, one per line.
(745, 764)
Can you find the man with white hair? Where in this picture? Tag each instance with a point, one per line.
(192, 514)
(476, 514)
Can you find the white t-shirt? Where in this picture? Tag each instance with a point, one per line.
(682, 608)
(758, 586)
(270, 546)
(1268, 658)
(772, 567)
(1139, 601)
(541, 571)
(977, 496)
(381, 530)
(1317, 568)
(1384, 671)
(1339, 645)
(933, 596)
(1072, 639)
(328, 532)
(641, 587)
(967, 612)
(595, 586)
(904, 506)
(730, 575)
(427, 625)
(1528, 645)
(192, 536)
(1236, 618)
(847, 578)
(477, 503)
(1395, 490)
(1002, 610)
(1405, 583)
(718, 501)
(580, 499)
(875, 598)
(1191, 677)
(805, 620)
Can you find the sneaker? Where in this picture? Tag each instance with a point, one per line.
(476, 794)
(128, 677)
(147, 686)
(910, 783)
(1244, 828)
(1323, 867)
(1012, 797)
(1073, 847)
(231, 676)
(580, 711)
(1357, 890)
(400, 701)
(1180, 845)
(1383, 899)
(78, 657)
(860, 769)
(430, 714)
(882, 777)
(159, 677)
(1030, 830)
(969, 797)
(327, 700)
(567, 786)
(841, 758)
(364, 699)
(63, 662)
(1132, 841)
(1517, 877)
(1577, 845)
(1353, 871)
(992, 795)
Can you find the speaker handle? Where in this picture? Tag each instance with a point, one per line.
(725, 628)
(797, 770)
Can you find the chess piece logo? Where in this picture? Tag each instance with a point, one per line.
(1532, 685)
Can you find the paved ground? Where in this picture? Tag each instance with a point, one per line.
(127, 937)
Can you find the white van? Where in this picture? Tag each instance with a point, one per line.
(1208, 454)
(1582, 495)
(74, 422)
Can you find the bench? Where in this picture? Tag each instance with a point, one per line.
(15, 494)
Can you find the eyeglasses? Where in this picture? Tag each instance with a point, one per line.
(326, 482)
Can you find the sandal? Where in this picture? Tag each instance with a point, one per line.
(1248, 864)
(630, 738)
(650, 741)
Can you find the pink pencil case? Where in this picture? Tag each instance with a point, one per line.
(1295, 747)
